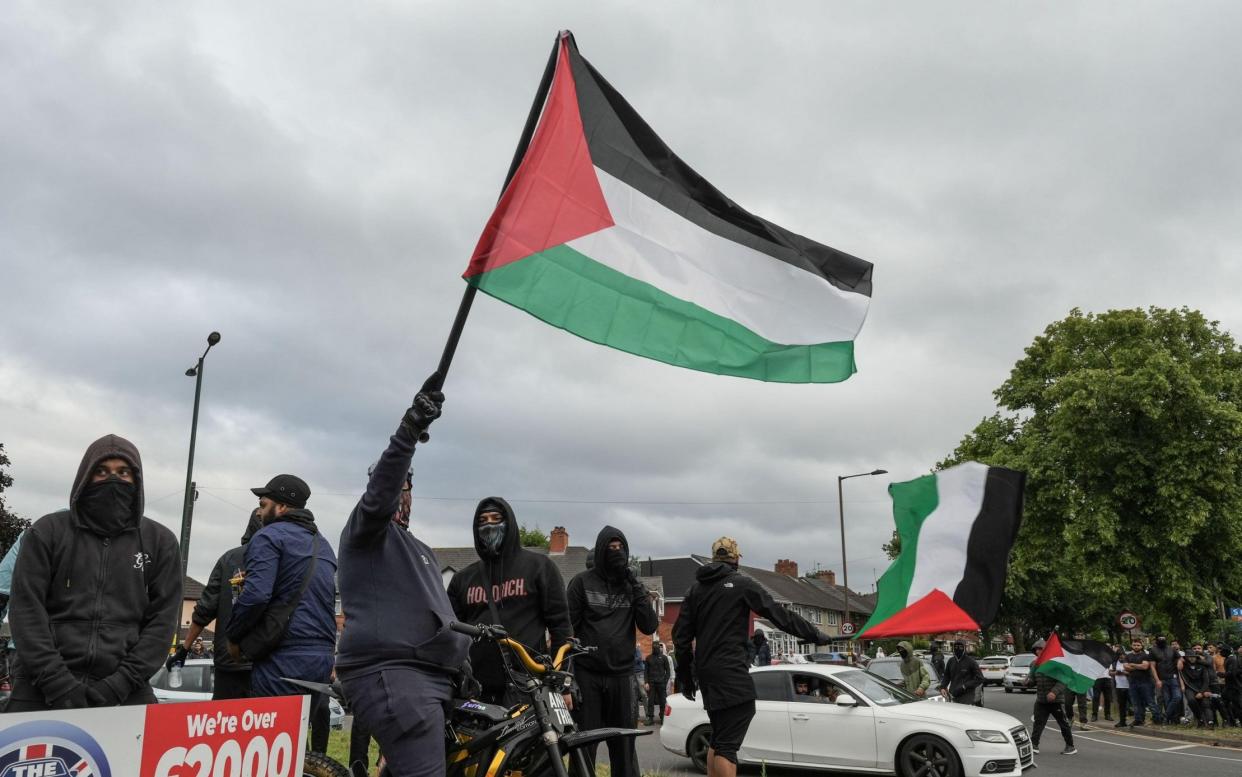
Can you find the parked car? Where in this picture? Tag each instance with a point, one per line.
(994, 669)
(1019, 670)
(198, 682)
(839, 659)
(857, 722)
(889, 668)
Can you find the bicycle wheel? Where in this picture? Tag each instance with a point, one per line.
(320, 765)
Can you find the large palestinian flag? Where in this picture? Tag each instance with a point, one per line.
(604, 232)
(956, 528)
(1076, 662)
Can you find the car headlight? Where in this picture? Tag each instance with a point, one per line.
(979, 735)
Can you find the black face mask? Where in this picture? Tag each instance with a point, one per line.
(492, 536)
(902, 652)
(615, 561)
(109, 505)
(959, 652)
(1160, 643)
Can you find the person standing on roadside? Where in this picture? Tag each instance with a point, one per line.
(711, 638)
(1102, 693)
(1121, 684)
(607, 605)
(1196, 676)
(96, 592)
(761, 649)
(659, 672)
(913, 670)
(1141, 673)
(1167, 660)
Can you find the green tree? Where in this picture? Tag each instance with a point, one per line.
(892, 548)
(11, 526)
(1129, 427)
(533, 538)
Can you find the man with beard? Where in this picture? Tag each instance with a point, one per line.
(216, 604)
(397, 655)
(96, 592)
(961, 676)
(711, 638)
(287, 561)
(518, 589)
(606, 604)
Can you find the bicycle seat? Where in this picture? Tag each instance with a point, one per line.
(492, 712)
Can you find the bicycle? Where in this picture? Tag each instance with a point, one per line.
(531, 738)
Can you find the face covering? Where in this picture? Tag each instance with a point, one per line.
(1160, 643)
(959, 652)
(492, 536)
(902, 652)
(109, 504)
(615, 561)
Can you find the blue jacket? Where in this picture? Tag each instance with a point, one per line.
(276, 560)
(396, 610)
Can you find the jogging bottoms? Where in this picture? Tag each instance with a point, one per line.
(608, 700)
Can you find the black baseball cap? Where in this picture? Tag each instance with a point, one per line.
(287, 489)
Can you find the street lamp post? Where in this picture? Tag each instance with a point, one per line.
(187, 507)
(845, 570)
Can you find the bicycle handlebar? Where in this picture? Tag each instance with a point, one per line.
(495, 633)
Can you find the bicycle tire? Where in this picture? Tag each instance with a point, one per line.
(320, 765)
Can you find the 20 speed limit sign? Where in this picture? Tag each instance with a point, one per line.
(847, 628)
(1127, 620)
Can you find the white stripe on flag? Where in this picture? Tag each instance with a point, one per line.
(1082, 664)
(775, 300)
(940, 560)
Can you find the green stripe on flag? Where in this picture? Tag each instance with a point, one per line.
(913, 501)
(569, 290)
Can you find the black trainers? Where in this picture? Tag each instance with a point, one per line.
(1069, 750)
(1120, 724)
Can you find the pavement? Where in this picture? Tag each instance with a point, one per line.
(1102, 751)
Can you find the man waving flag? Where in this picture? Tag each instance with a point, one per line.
(604, 232)
(1076, 662)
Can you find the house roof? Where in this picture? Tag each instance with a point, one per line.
(191, 589)
(569, 563)
(863, 604)
(678, 574)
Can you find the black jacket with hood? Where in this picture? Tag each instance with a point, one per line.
(91, 603)
(605, 606)
(216, 601)
(526, 589)
(711, 638)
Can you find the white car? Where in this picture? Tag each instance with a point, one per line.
(994, 669)
(848, 719)
(198, 681)
(1019, 670)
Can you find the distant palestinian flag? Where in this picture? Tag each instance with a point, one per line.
(1076, 662)
(604, 232)
(956, 528)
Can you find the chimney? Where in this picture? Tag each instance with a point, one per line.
(786, 567)
(558, 541)
(827, 575)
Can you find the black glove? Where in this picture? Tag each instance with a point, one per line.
(427, 406)
(467, 686)
(100, 694)
(177, 657)
(75, 699)
(688, 689)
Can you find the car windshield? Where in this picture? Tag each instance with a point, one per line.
(1022, 660)
(889, 670)
(194, 679)
(877, 689)
(995, 662)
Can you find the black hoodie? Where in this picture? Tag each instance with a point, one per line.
(218, 606)
(92, 604)
(526, 589)
(605, 607)
(711, 633)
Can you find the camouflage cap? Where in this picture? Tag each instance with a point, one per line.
(725, 549)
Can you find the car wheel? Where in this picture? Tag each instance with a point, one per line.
(927, 756)
(696, 747)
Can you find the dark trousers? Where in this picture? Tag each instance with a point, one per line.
(657, 696)
(1221, 708)
(231, 685)
(320, 723)
(403, 708)
(359, 750)
(1080, 699)
(1042, 710)
(1142, 699)
(608, 700)
(1200, 709)
(1123, 704)
(1233, 702)
(1102, 692)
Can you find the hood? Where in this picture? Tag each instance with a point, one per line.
(110, 446)
(302, 517)
(906, 644)
(252, 526)
(512, 542)
(713, 572)
(605, 536)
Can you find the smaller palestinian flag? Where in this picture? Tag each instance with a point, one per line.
(606, 233)
(956, 528)
(1076, 662)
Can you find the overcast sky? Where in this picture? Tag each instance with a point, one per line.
(310, 179)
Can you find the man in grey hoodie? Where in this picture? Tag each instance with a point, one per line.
(96, 592)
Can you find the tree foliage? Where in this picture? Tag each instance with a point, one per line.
(1129, 427)
(892, 548)
(533, 538)
(11, 526)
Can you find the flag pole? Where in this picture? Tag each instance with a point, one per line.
(532, 121)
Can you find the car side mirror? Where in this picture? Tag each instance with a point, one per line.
(845, 700)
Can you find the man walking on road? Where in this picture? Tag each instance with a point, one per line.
(711, 639)
(659, 673)
(1049, 700)
(962, 676)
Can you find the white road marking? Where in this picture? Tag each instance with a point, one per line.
(1153, 750)
(1176, 747)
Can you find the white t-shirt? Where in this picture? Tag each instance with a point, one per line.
(1120, 680)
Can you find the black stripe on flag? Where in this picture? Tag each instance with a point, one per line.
(987, 551)
(1099, 652)
(626, 147)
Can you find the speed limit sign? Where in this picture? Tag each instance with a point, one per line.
(847, 628)
(1127, 620)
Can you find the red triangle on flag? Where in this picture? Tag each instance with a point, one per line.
(555, 195)
(1052, 649)
(932, 614)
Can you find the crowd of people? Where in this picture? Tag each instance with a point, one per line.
(96, 593)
